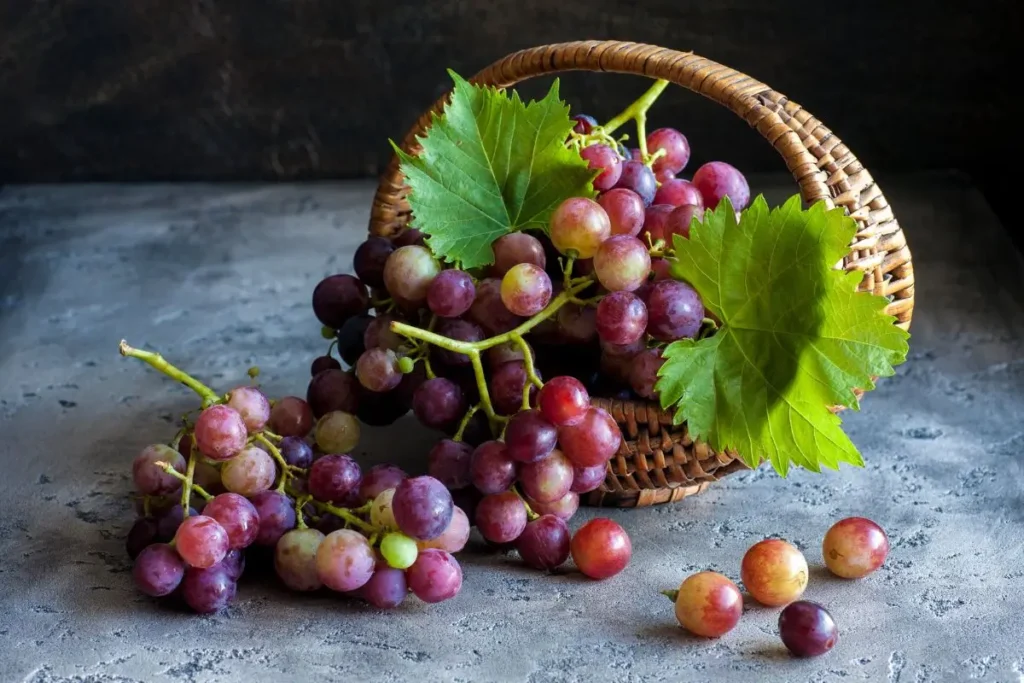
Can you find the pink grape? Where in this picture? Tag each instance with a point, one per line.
(525, 289)
(332, 390)
(643, 372)
(277, 515)
(489, 312)
(295, 559)
(601, 548)
(408, 273)
(544, 543)
(563, 400)
(422, 507)
(490, 468)
(152, 480)
(621, 318)
(661, 269)
(220, 432)
(237, 516)
(452, 539)
(529, 436)
(563, 508)
(625, 211)
(622, 263)
(438, 403)
(547, 479)
(252, 405)
(291, 416)
(501, 517)
(339, 297)
(854, 547)
(640, 179)
(604, 159)
(807, 629)
(386, 589)
(158, 570)
(579, 225)
(335, 478)
(677, 192)
(674, 311)
(451, 293)
(201, 541)
(676, 146)
(774, 572)
(249, 472)
(448, 462)
(369, 260)
(586, 479)
(378, 334)
(379, 478)
(168, 522)
(681, 219)
(717, 179)
(516, 248)
(655, 222)
(591, 441)
(344, 560)
(708, 604)
(377, 370)
(434, 576)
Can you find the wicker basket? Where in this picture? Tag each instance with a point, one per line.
(658, 463)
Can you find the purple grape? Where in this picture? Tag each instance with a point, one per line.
(422, 507)
(409, 236)
(296, 451)
(369, 260)
(529, 436)
(716, 180)
(459, 330)
(350, 338)
(158, 570)
(333, 390)
(321, 363)
(491, 470)
(378, 478)
(674, 311)
(544, 543)
(385, 589)
(238, 517)
(434, 576)
(451, 293)
(438, 403)
(168, 523)
(448, 462)
(807, 629)
(516, 248)
(277, 515)
(507, 383)
(640, 179)
(208, 590)
(489, 312)
(676, 146)
(586, 479)
(584, 123)
(621, 318)
(378, 334)
(149, 478)
(144, 533)
(233, 564)
(339, 297)
(335, 478)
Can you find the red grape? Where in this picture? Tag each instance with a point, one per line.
(586, 479)
(152, 480)
(448, 462)
(378, 334)
(220, 432)
(158, 570)
(451, 293)
(378, 478)
(408, 273)
(525, 289)
(622, 263)
(625, 210)
(529, 436)
(507, 383)
(516, 248)
(854, 547)
(452, 539)
(489, 312)
(501, 517)
(774, 572)
(584, 123)
(544, 543)
(807, 629)
(377, 370)
(601, 548)
(434, 576)
(708, 604)
(335, 478)
(208, 590)
(201, 541)
(678, 192)
(563, 400)
(591, 441)
(621, 318)
(490, 468)
(548, 479)
(438, 403)
(643, 372)
(604, 159)
(655, 222)
(676, 146)
(237, 516)
(291, 416)
(344, 560)
(580, 225)
(717, 179)
(674, 311)
(563, 508)
(680, 221)
(339, 297)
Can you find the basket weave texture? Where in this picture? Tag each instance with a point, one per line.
(658, 463)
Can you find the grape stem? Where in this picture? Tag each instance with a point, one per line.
(169, 469)
(465, 421)
(530, 514)
(531, 372)
(287, 471)
(157, 361)
(671, 595)
(300, 518)
(345, 514)
(637, 112)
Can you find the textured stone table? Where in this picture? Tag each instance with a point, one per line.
(219, 278)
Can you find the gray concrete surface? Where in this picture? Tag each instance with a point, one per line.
(219, 278)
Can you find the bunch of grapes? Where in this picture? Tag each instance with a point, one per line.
(251, 472)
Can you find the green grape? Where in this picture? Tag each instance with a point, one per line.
(399, 550)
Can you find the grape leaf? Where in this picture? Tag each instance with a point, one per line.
(491, 165)
(795, 336)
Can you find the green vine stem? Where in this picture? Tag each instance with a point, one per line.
(187, 483)
(465, 421)
(671, 595)
(346, 514)
(300, 518)
(157, 361)
(637, 112)
(287, 471)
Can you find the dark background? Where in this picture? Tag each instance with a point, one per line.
(250, 89)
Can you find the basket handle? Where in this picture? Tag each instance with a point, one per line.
(823, 167)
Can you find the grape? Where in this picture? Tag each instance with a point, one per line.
(563, 400)
(435, 576)
(451, 293)
(516, 248)
(167, 524)
(237, 516)
(398, 550)
(591, 441)
(409, 236)
(233, 564)
(291, 416)
(807, 629)
(422, 507)
(586, 479)
(378, 478)
(604, 159)
(640, 179)
(674, 311)
(577, 323)
(459, 330)
(333, 390)
(385, 589)
(438, 403)
(529, 436)
(448, 462)
(507, 383)
(717, 179)
(201, 541)
(454, 538)
(622, 263)
(774, 572)
(584, 124)
(676, 146)
(501, 517)
(660, 269)
(378, 334)
(382, 512)
(276, 513)
(158, 570)
(621, 318)
(249, 472)
(350, 338)
(526, 289)
(408, 273)
(664, 176)
(601, 548)
(681, 219)
(656, 222)
(579, 224)
(854, 547)
(489, 312)
(296, 451)
(544, 543)
(490, 468)
(708, 604)
(220, 432)
(369, 260)
(634, 154)
(144, 533)
(563, 508)
(208, 590)
(149, 478)
(321, 363)
(548, 479)
(339, 297)
(643, 372)
(344, 560)
(377, 370)
(295, 559)
(505, 353)
(335, 478)
(678, 192)
(625, 211)
(252, 405)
